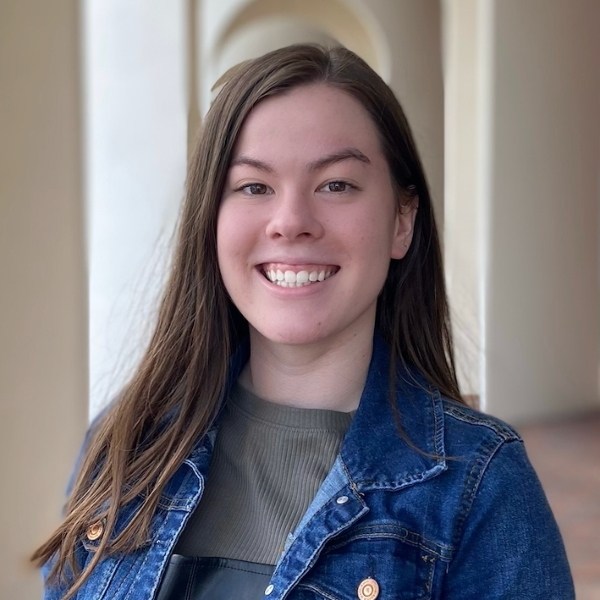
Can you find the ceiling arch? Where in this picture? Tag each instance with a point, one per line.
(347, 22)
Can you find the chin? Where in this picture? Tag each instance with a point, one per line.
(293, 336)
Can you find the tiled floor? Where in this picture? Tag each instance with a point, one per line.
(566, 455)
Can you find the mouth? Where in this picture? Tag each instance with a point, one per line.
(289, 276)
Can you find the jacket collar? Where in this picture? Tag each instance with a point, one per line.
(376, 453)
(388, 446)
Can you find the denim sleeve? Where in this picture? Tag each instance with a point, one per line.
(56, 591)
(510, 545)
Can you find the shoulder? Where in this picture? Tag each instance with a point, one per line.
(486, 454)
(504, 532)
(487, 457)
(465, 417)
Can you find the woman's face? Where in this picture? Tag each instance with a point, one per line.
(309, 220)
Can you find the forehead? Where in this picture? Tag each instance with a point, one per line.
(311, 116)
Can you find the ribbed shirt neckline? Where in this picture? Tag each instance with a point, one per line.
(281, 415)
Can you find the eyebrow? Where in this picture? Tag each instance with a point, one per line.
(251, 162)
(339, 156)
(316, 165)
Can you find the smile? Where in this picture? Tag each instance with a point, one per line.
(303, 277)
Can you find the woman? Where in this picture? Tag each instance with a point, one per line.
(295, 428)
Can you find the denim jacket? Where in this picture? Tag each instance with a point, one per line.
(452, 509)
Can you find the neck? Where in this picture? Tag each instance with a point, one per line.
(318, 376)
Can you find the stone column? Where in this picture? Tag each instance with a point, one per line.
(43, 317)
(542, 287)
(525, 188)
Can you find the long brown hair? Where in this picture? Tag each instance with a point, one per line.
(178, 387)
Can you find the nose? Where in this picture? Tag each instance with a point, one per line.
(294, 216)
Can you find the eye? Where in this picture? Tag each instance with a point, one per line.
(337, 187)
(254, 189)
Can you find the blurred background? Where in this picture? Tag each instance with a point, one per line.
(100, 101)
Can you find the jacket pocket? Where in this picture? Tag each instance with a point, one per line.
(373, 562)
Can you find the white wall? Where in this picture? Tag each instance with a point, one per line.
(543, 292)
(43, 357)
(135, 124)
(467, 46)
(523, 91)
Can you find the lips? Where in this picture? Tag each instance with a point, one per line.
(288, 276)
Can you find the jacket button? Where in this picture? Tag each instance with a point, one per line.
(95, 531)
(269, 590)
(342, 500)
(368, 589)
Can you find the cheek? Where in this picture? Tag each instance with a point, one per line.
(376, 234)
(229, 232)
(225, 222)
(225, 247)
(237, 223)
(235, 246)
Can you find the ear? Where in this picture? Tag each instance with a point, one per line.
(404, 226)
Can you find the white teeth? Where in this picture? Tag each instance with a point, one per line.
(300, 279)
